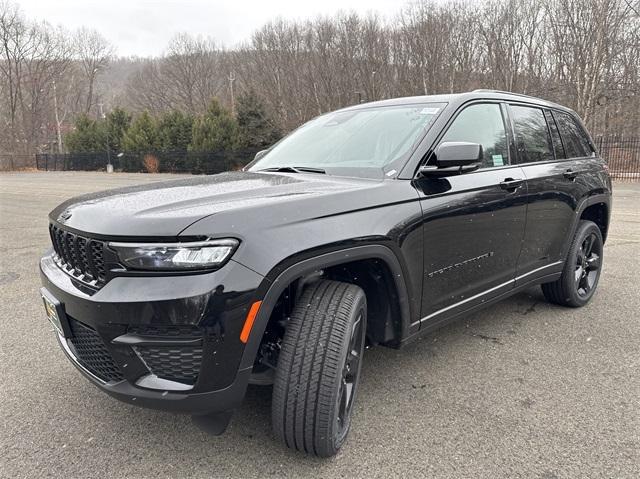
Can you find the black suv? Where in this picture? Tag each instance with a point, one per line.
(369, 225)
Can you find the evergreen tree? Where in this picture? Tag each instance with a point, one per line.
(256, 127)
(88, 136)
(175, 131)
(215, 130)
(117, 123)
(142, 136)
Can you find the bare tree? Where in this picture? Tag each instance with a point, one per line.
(15, 46)
(93, 52)
(582, 53)
(186, 77)
(33, 56)
(585, 41)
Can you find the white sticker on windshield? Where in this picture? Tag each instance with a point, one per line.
(429, 111)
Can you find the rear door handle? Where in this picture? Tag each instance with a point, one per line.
(511, 184)
(570, 174)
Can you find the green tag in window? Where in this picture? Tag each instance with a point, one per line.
(497, 160)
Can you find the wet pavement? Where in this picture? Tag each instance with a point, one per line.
(521, 389)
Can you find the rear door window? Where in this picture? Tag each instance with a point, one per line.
(574, 138)
(533, 140)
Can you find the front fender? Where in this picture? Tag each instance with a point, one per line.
(292, 268)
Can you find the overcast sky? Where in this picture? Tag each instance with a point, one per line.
(144, 27)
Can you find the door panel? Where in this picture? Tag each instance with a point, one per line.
(473, 223)
(473, 230)
(552, 202)
(555, 186)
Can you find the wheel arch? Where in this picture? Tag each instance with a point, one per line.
(286, 272)
(595, 206)
(597, 212)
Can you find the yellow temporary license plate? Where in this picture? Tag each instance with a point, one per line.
(53, 309)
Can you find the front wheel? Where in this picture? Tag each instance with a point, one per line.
(319, 368)
(581, 271)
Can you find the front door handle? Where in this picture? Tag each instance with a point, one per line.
(511, 184)
(570, 174)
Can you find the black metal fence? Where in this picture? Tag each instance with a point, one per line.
(622, 155)
(11, 162)
(196, 162)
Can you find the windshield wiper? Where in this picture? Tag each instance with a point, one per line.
(295, 169)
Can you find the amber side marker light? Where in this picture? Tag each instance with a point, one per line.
(248, 323)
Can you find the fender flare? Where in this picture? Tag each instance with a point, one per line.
(582, 206)
(276, 286)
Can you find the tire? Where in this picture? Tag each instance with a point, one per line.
(582, 268)
(319, 367)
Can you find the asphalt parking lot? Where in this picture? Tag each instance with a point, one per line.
(521, 389)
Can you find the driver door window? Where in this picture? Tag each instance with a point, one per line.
(482, 123)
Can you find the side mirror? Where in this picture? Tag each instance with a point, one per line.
(454, 158)
(260, 154)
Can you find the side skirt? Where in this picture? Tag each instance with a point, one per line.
(520, 286)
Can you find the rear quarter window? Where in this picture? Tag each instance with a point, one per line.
(574, 138)
(555, 136)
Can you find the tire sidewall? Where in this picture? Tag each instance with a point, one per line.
(338, 437)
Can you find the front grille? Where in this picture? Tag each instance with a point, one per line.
(91, 352)
(81, 257)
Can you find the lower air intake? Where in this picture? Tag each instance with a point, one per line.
(92, 354)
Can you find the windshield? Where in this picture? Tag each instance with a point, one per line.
(352, 141)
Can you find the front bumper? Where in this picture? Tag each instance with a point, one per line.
(128, 336)
(221, 400)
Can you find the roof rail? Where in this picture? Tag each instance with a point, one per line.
(488, 90)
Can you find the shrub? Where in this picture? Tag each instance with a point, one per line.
(151, 163)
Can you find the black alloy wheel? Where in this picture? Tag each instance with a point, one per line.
(350, 375)
(588, 265)
(582, 269)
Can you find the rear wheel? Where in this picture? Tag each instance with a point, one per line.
(581, 271)
(319, 368)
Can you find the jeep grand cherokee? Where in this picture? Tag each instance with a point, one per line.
(369, 225)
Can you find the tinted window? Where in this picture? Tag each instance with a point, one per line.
(573, 136)
(483, 124)
(558, 149)
(532, 135)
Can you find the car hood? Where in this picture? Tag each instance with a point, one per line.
(164, 209)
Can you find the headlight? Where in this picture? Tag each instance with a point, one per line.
(175, 256)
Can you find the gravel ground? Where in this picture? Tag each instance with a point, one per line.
(521, 389)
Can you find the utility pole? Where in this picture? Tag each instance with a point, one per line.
(232, 78)
(104, 118)
(55, 107)
(373, 86)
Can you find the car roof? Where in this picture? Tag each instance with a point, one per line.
(460, 98)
